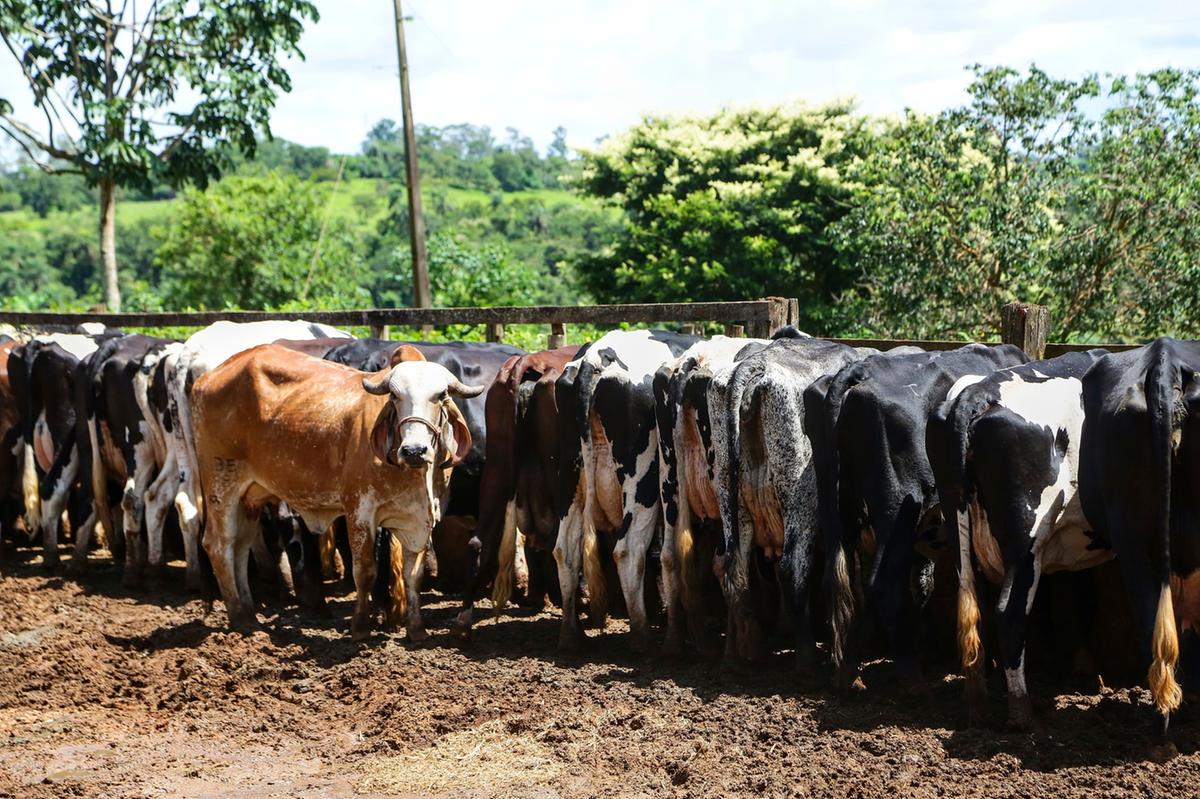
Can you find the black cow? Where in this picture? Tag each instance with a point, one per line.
(1139, 480)
(1004, 449)
(879, 499)
(43, 375)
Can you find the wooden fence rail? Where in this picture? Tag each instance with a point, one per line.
(1026, 326)
(756, 317)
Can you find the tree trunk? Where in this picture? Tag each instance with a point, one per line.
(108, 243)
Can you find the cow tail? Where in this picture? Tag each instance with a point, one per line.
(736, 577)
(962, 415)
(502, 586)
(1164, 646)
(29, 477)
(395, 565)
(970, 646)
(843, 605)
(593, 572)
(99, 485)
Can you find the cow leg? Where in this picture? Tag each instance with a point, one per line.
(341, 539)
(743, 636)
(414, 567)
(157, 504)
(83, 540)
(1016, 600)
(630, 555)
(226, 545)
(273, 568)
(672, 588)
(308, 578)
(568, 554)
(793, 572)
(54, 492)
(889, 588)
(361, 534)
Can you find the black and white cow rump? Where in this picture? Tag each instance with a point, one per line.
(878, 502)
(608, 471)
(691, 514)
(1004, 449)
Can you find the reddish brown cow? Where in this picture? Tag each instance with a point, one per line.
(276, 425)
(519, 475)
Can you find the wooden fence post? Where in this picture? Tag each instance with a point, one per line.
(557, 337)
(1026, 326)
(380, 331)
(735, 331)
(688, 329)
(494, 332)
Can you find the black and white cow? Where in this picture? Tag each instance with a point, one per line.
(878, 500)
(766, 481)
(691, 516)
(1139, 482)
(125, 453)
(608, 471)
(1004, 449)
(43, 375)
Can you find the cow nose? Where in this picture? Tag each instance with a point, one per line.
(413, 452)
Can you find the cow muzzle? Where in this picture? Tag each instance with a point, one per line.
(414, 452)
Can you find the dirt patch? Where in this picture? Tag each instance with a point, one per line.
(106, 692)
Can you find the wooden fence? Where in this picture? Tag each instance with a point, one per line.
(1026, 326)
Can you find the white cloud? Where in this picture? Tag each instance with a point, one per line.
(594, 66)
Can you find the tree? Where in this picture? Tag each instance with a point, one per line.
(734, 205)
(109, 85)
(259, 242)
(1025, 193)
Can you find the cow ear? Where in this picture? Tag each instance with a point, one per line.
(405, 353)
(383, 434)
(462, 435)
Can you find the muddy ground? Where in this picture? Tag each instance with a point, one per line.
(108, 692)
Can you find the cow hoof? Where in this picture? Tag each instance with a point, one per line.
(1162, 751)
(131, 580)
(672, 648)
(246, 623)
(461, 629)
(1020, 716)
(360, 627)
(417, 635)
(52, 566)
(570, 639)
(316, 611)
(77, 567)
(155, 575)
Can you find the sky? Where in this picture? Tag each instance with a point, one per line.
(596, 66)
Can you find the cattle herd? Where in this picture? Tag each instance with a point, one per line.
(794, 473)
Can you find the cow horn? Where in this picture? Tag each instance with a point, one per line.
(460, 389)
(377, 386)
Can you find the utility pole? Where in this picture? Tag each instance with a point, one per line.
(416, 218)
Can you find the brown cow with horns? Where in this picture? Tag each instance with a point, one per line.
(276, 425)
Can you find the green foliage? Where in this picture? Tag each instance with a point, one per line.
(258, 242)
(1022, 194)
(110, 84)
(730, 206)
